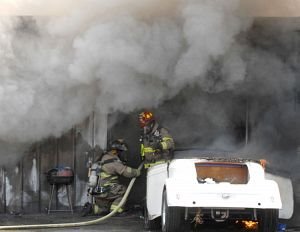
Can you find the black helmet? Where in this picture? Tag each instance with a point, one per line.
(119, 145)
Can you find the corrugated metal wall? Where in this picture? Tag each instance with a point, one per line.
(24, 187)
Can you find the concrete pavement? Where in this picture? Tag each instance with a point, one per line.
(129, 223)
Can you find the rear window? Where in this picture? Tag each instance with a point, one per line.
(216, 172)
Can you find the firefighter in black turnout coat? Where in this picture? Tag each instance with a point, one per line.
(156, 142)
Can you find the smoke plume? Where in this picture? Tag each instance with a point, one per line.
(109, 56)
(121, 56)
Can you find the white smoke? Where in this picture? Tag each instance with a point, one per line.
(209, 29)
(258, 76)
(109, 56)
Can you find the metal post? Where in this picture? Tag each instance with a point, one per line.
(38, 155)
(74, 165)
(57, 163)
(22, 183)
(93, 133)
(247, 123)
(4, 189)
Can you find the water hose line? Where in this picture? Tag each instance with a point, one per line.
(74, 224)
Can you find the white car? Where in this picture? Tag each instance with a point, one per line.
(202, 188)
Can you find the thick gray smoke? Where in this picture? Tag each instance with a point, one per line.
(112, 56)
(255, 84)
(117, 56)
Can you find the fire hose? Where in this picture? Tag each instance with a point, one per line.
(74, 224)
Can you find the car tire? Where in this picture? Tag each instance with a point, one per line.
(150, 224)
(267, 220)
(171, 217)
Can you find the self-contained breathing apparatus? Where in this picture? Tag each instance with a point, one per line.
(151, 140)
(104, 188)
(95, 182)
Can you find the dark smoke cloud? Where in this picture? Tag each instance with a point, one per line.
(258, 73)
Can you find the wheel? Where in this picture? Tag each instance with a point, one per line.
(150, 224)
(267, 220)
(171, 217)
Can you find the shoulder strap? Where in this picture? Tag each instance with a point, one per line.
(108, 161)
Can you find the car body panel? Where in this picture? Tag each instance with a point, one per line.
(179, 177)
(156, 179)
(286, 194)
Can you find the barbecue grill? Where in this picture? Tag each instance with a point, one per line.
(60, 175)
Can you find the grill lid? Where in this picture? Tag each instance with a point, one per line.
(60, 175)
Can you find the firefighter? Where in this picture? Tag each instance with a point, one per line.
(156, 142)
(104, 180)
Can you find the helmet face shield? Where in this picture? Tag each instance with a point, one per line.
(119, 145)
(145, 118)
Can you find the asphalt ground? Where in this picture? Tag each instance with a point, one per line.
(128, 223)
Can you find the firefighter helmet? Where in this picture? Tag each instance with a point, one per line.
(121, 149)
(145, 118)
(119, 145)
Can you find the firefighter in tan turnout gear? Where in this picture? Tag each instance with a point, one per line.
(104, 179)
(156, 142)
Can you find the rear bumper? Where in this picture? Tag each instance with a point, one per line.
(261, 196)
